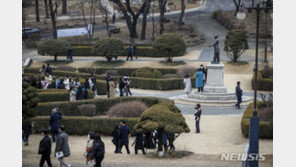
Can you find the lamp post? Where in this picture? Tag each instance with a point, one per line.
(254, 120)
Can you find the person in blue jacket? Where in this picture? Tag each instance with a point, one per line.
(124, 137)
(54, 123)
(199, 80)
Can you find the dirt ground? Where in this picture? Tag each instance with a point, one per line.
(219, 134)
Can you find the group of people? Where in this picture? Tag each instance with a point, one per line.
(132, 52)
(124, 86)
(201, 77)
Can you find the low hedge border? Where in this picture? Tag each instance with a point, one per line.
(59, 96)
(83, 125)
(70, 108)
(262, 83)
(265, 128)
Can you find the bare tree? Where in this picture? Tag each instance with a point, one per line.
(104, 11)
(53, 7)
(237, 4)
(37, 10)
(162, 4)
(180, 20)
(46, 9)
(64, 7)
(153, 20)
(144, 21)
(130, 21)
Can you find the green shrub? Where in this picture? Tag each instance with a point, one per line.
(262, 83)
(29, 101)
(53, 47)
(265, 128)
(83, 51)
(83, 125)
(51, 96)
(70, 108)
(169, 45)
(108, 47)
(147, 72)
(236, 43)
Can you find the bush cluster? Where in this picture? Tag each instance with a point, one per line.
(265, 128)
(70, 108)
(80, 125)
(262, 83)
(108, 47)
(29, 101)
(147, 72)
(127, 109)
(51, 96)
(88, 110)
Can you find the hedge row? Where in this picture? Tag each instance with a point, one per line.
(142, 51)
(136, 82)
(265, 128)
(128, 71)
(262, 83)
(59, 96)
(83, 125)
(70, 108)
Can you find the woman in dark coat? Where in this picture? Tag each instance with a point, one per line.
(86, 83)
(80, 94)
(197, 117)
(98, 151)
(139, 143)
(115, 139)
(148, 143)
(45, 149)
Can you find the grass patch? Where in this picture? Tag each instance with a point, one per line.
(109, 64)
(172, 63)
(58, 62)
(238, 63)
(170, 154)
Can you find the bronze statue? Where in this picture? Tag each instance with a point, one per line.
(216, 58)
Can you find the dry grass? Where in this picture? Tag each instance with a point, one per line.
(127, 109)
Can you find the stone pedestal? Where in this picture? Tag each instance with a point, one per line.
(215, 79)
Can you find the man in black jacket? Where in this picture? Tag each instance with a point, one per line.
(98, 151)
(45, 149)
(26, 127)
(239, 94)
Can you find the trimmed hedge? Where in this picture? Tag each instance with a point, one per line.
(70, 108)
(59, 96)
(262, 83)
(265, 128)
(83, 125)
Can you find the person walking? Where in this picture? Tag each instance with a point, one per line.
(129, 53)
(95, 86)
(139, 143)
(108, 77)
(72, 94)
(199, 80)
(187, 82)
(127, 85)
(80, 94)
(98, 151)
(111, 88)
(205, 72)
(70, 54)
(89, 145)
(63, 146)
(115, 139)
(26, 128)
(134, 51)
(54, 123)
(121, 86)
(124, 136)
(197, 118)
(45, 149)
(48, 69)
(42, 69)
(67, 83)
(239, 94)
(57, 82)
(148, 143)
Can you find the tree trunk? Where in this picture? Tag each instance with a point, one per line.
(37, 10)
(64, 7)
(53, 21)
(180, 21)
(144, 21)
(134, 33)
(46, 9)
(162, 4)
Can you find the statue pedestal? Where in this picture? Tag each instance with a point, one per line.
(215, 79)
